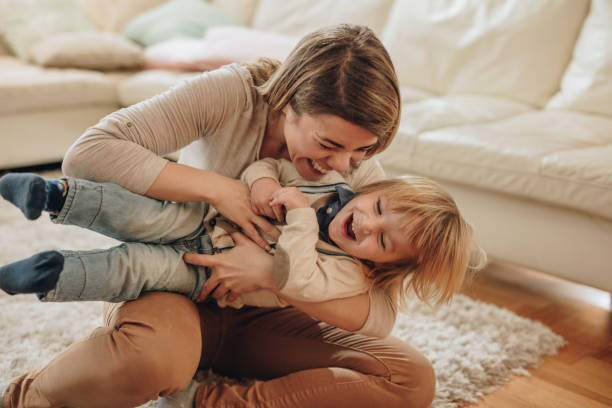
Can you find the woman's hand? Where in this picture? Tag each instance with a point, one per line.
(181, 183)
(244, 268)
(262, 192)
(233, 201)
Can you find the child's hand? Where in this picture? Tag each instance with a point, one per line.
(262, 192)
(290, 198)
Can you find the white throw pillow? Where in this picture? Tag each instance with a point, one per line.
(96, 50)
(300, 17)
(517, 49)
(587, 83)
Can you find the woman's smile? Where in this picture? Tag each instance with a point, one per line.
(317, 167)
(319, 143)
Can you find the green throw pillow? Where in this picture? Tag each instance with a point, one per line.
(176, 18)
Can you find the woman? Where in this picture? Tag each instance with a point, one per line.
(331, 104)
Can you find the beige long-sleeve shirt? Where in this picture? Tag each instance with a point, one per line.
(218, 120)
(305, 267)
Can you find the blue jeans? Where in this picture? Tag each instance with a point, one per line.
(156, 234)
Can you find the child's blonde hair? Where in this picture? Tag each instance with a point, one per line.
(442, 239)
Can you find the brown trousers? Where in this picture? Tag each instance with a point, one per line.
(153, 346)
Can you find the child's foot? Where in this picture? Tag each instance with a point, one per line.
(32, 194)
(26, 191)
(36, 274)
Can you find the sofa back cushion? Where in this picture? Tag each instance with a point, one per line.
(113, 15)
(587, 83)
(512, 48)
(300, 17)
(242, 10)
(25, 22)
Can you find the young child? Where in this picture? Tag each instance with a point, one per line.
(397, 234)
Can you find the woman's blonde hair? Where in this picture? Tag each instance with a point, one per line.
(342, 70)
(442, 239)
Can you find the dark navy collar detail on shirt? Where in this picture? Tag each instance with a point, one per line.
(328, 212)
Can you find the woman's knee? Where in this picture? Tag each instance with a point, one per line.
(160, 342)
(414, 374)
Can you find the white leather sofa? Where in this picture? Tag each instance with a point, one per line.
(507, 103)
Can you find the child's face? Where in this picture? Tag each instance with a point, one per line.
(367, 229)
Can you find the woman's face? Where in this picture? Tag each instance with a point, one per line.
(323, 142)
(367, 229)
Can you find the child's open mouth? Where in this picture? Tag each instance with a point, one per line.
(348, 228)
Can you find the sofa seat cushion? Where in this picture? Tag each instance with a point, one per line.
(27, 87)
(421, 113)
(147, 84)
(557, 157)
(450, 110)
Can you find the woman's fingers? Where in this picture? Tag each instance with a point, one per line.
(239, 238)
(250, 230)
(279, 213)
(210, 285)
(267, 227)
(220, 292)
(204, 260)
(200, 259)
(231, 296)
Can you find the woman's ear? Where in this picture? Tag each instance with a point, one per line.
(286, 109)
(369, 264)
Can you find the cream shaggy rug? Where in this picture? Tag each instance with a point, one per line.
(473, 346)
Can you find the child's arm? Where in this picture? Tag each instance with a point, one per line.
(371, 313)
(263, 177)
(300, 271)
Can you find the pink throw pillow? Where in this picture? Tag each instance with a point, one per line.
(220, 46)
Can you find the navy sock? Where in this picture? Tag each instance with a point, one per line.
(32, 194)
(56, 195)
(36, 274)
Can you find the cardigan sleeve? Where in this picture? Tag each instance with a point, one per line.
(261, 169)
(125, 147)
